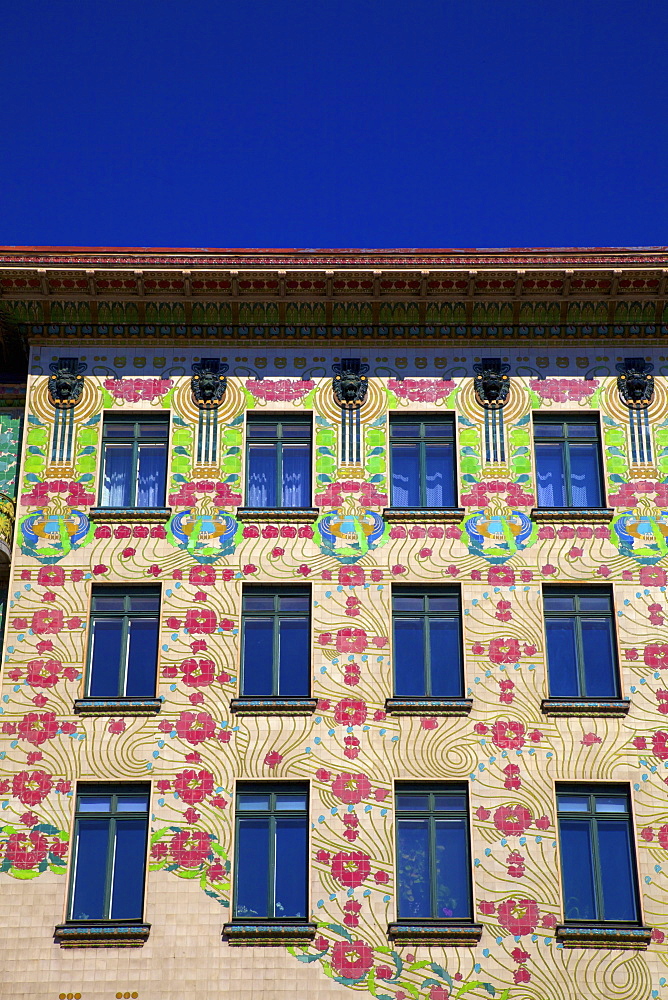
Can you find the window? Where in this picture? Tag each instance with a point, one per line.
(568, 464)
(111, 826)
(271, 852)
(279, 463)
(423, 462)
(597, 861)
(276, 643)
(135, 462)
(123, 643)
(433, 853)
(427, 644)
(581, 659)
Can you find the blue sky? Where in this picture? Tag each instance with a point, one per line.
(360, 123)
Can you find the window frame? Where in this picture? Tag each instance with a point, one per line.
(277, 441)
(433, 789)
(127, 593)
(136, 419)
(426, 615)
(577, 593)
(272, 789)
(421, 440)
(101, 788)
(592, 790)
(251, 590)
(564, 419)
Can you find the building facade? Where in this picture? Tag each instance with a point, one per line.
(336, 624)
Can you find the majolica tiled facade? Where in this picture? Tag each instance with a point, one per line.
(422, 329)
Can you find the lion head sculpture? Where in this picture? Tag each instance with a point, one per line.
(208, 382)
(350, 383)
(635, 384)
(491, 383)
(66, 381)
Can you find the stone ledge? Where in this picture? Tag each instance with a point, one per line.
(566, 515)
(463, 934)
(274, 706)
(424, 515)
(84, 935)
(130, 515)
(298, 515)
(117, 706)
(597, 936)
(428, 706)
(272, 932)
(611, 707)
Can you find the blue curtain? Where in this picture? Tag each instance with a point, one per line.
(116, 479)
(405, 476)
(296, 468)
(151, 476)
(550, 475)
(262, 476)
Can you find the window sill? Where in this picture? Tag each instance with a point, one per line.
(117, 706)
(597, 936)
(431, 515)
(568, 514)
(274, 706)
(301, 515)
(272, 932)
(130, 514)
(611, 707)
(84, 935)
(428, 706)
(462, 934)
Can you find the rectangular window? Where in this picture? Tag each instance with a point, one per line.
(134, 461)
(581, 655)
(276, 632)
(271, 852)
(597, 861)
(433, 853)
(427, 643)
(279, 462)
(422, 456)
(568, 462)
(123, 653)
(111, 825)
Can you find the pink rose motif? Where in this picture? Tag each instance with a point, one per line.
(640, 743)
(508, 735)
(487, 907)
(195, 727)
(47, 621)
(647, 833)
(351, 788)
(99, 569)
(518, 916)
(603, 571)
(521, 975)
(349, 712)
(482, 814)
(512, 780)
(68, 728)
(512, 821)
(200, 620)
(656, 656)
(51, 576)
(26, 850)
(251, 531)
(126, 553)
(202, 576)
(193, 786)
(305, 531)
(352, 576)
(480, 728)
(352, 960)
(653, 576)
(43, 673)
(276, 552)
(660, 745)
(31, 787)
(190, 848)
(304, 570)
(351, 869)
(397, 531)
(64, 787)
(38, 727)
(116, 727)
(249, 569)
(40, 700)
(269, 531)
(29, 819)
(429, 722)
(548, 569)
(398, 569)
(288, 531)
(323, 775)
(198, 673)
(500, 576)
(504, 650)
(273, 758)
(543, 823)
(376, 575)
(658, 937)
(589, 739)
(351, 640)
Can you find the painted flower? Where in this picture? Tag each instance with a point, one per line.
(200, 620)
(656, 656)
(198, 673)
(273, 758)
(38, 727)
(351, 959)
(26, 850)
(43, 673)
(486, 906)
(398, 569)
(269, 531)
(47, 621)
(31, 787)
(116, 727)
(349, 712)
(351, 640)
(352, 576)
(202, 576)
(251, 531)
(504, 650)
(512, 780)
(195, 727)
(508, 735)
(193, 786)
(323, 775)
(351, 869)
(589, 739)
(351, 788)
(521, 975)
(429, 722)
(190, 847)
(51, 576)
(518, 916)
(653, 576)
(500, 576)
(512, 821)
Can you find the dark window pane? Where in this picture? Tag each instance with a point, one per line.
(127, 895)
(156, 429)
(118, 430)
(91, 870)
(404, 430)
(142, 657)
(293, 657)
(144, 603)
(258, 430)
(450, 803)
(582, 430)
(413, 868)
(405, 461)
(595, 603)
(116, 479)
(409, 679)
(573, 803)
(290, 875)
(443, 604)
(253, 801)
(258, 603)
(258, 657)
(599, 658)
(408, 603)
(452, 886)
(291, 801)
(439, 475)
(151, 475)
(577, 870)
(445, 658)
(131, 803)
(300, 603)
(297, 430)
(585, 485)
(108, 604)
(559, 603)
(548, 430)
(95, 803)
(262, 475)
(296, 476)
(410, 800)
(614, 848)
(611, 804)
(252, 896)
(551, 477)
(438, 430)
(562, 657)
(105, 658)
